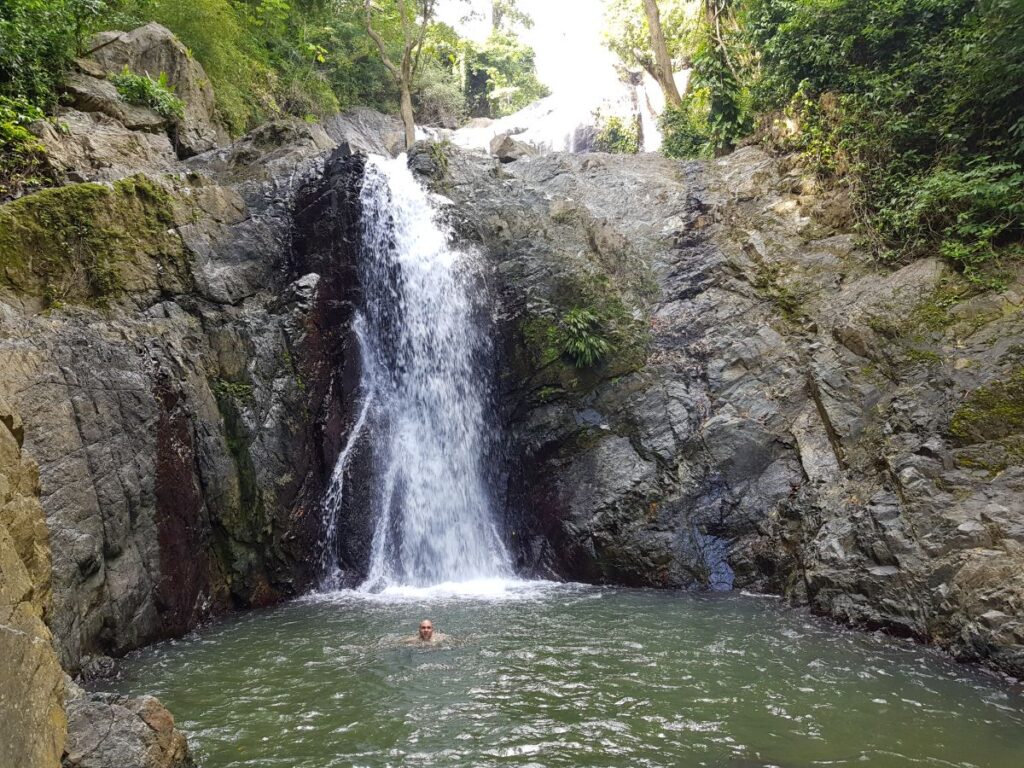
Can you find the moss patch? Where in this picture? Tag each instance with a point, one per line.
(90, 243)
(992, 412)
(548, 339)
(770, 282)
(993, 458)
(248, 522)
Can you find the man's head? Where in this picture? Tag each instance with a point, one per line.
(426, 629)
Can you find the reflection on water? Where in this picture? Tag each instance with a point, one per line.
(546, 675)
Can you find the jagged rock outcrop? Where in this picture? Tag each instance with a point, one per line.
(175, 372)
(107, 730)
(98, 136)
(153, 50)
(32, 722)
(777, 411)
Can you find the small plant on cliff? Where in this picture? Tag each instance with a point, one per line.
(144, 91)
(583, 339)
(23, 162)
(617, 136)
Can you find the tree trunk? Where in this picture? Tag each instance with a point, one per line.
(407, 115)
(664, 75)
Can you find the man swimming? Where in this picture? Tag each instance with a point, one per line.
(426, 634)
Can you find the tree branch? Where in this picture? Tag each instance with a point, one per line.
(395, 72)
(428, 12)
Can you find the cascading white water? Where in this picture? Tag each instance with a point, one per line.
(426, 394)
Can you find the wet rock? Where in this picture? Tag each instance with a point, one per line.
(106, 730)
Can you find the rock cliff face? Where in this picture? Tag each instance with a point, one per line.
(171, 356)
(704, 382)
(777, 411)
(31, 681)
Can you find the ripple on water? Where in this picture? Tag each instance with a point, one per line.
(564, 675)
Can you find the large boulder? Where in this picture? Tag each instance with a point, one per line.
(154, 50)
(107, 730)
(508, 150)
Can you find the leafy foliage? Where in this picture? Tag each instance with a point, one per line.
(918, 105)
(500, 76)
(144, 91)
(685, 132)
(23, 162)
(38, 39)
(617, 136)
(264, 59)
(628, 35)
(582, 337)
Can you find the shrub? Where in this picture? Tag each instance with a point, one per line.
(582, 338)
(918, 105)
(439, 99)
(975, 214)
(685, 132)
(617, 136)
(144, 91)
(23, 162)
(38, 39)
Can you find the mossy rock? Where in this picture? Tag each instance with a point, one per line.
(246, 520)
(992, 412)
(625, 338)
(993, 458)
(91, 243)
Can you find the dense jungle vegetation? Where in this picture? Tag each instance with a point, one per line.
(266, 59)
(917, 106)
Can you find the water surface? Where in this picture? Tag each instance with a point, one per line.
(545, 675)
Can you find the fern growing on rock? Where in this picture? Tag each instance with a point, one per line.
(583, 340)
(144, 91)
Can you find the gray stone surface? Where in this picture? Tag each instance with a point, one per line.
(184, 427)
(92, 146)
(110, 731)
(777, 414)
(153, 50)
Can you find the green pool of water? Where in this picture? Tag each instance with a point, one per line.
(571, 676)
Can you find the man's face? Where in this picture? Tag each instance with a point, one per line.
(426, 630)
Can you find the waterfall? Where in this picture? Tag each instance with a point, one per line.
(426, 392)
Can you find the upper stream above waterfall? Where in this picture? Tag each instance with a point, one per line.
(424, 391)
